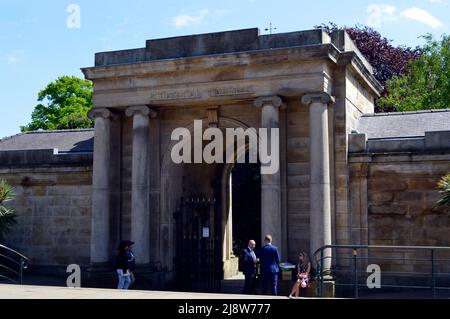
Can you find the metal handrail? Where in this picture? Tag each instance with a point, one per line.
(382, 246)
(18, 260)
(352, 267)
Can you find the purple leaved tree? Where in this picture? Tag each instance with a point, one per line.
(387, 60)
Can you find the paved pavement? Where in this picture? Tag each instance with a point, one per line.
(41, 292)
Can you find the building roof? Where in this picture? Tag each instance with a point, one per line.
(66, 141)
(404, 124)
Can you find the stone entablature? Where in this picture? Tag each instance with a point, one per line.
(288, 64)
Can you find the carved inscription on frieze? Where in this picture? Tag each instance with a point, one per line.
(229, 91)
(175, 95)
(189, 94)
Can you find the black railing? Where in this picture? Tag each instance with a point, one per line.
(401, 269)
(12, 265)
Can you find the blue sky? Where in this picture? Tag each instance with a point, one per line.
(37, 46)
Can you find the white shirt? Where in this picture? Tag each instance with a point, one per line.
(252, 253)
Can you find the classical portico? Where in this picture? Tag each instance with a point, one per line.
(305, 84)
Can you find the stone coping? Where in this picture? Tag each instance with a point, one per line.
(434, 141)
(43, 157)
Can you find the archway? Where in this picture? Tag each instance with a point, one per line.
(241, 208)
(181, 181)
(246, 204)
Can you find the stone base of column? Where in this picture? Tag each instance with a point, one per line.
(329, 290)
(145, 268)
(231, 267)
(99, 276)
(153, 280)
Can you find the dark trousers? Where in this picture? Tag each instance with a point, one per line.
(269, 279)
(249, 285)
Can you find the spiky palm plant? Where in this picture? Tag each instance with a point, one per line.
(7, 216)
(444, 190)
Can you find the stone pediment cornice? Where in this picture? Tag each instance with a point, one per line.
(224, 60)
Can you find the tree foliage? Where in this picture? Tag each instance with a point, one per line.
(387, 60)
(64, 104)
(426, 85)
(7, 216)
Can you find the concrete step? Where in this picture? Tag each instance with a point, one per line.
(235, 285)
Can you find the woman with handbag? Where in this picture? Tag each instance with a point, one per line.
(303, 277)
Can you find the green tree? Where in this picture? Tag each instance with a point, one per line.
(64, 104)
(444, 190)
(7, 216)
(426, 85)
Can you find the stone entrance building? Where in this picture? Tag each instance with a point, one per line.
(346, 175)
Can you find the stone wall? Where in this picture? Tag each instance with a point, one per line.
(352, 101)
(298, 172)
(393, 200)
(338, 159)
(53, 206)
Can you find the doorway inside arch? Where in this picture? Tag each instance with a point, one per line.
(246, 205)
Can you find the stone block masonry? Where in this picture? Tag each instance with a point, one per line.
(53, 207)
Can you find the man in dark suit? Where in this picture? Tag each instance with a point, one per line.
(249, 262)
(269, 259)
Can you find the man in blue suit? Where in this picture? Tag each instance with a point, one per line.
(269, 259)
(249, 262)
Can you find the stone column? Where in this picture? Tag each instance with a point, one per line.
(320, 207)
(100, 231)
(140, 214)
(270, 183)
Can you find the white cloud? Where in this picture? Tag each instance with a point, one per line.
(422, 16)
(14, 56)
(437, 1)
(380, 13)
(187, 20)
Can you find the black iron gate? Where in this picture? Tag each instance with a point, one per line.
(198, 260)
